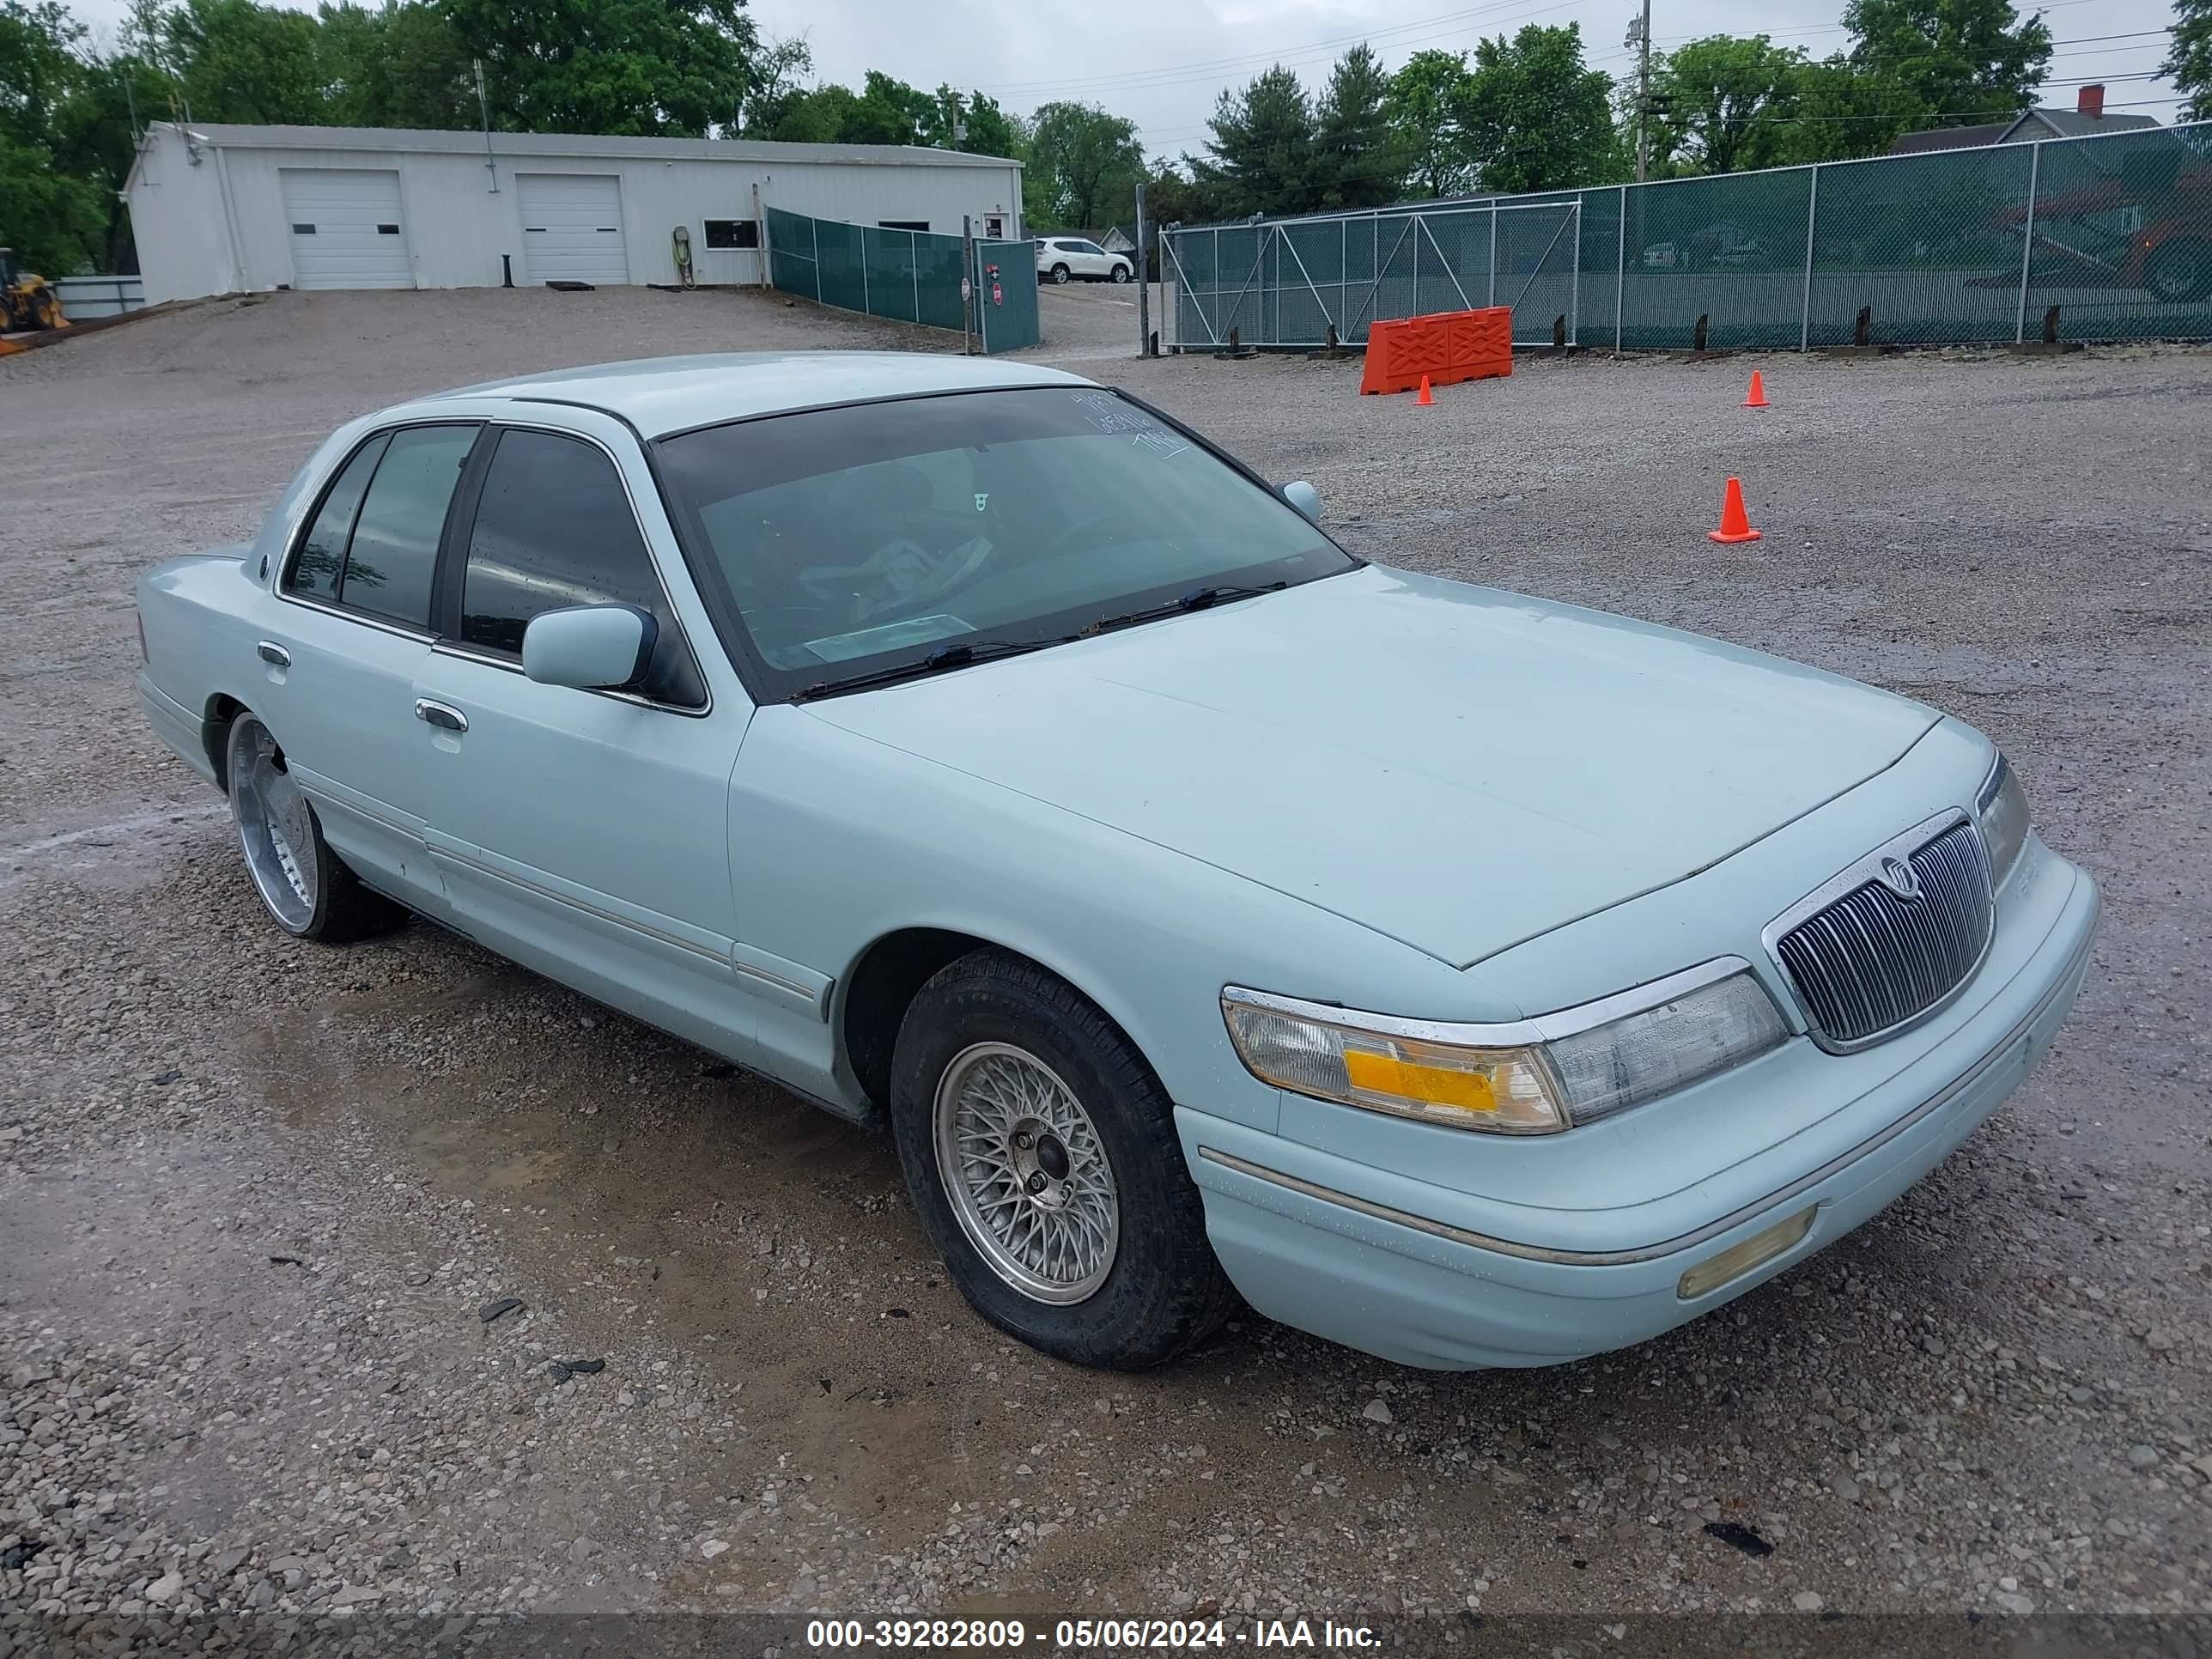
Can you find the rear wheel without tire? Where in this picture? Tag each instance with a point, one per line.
(1042, 1155)
(306, 888)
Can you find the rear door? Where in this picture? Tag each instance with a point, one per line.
(347, 230)
(340, 657)
(572, 227)
(584, 833)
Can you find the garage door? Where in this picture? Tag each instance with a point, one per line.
(346, 229)
(572, 227)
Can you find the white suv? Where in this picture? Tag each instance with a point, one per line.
(1062, 258)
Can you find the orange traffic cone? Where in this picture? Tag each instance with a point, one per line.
(1757, 397)
(1426, 397)
(1734, 525)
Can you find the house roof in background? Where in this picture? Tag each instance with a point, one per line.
(2072, 123)
(1951, 137)
(2059, 123)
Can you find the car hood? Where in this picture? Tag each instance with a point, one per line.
(1459, 768)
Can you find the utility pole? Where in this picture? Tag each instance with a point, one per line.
(1639, 36)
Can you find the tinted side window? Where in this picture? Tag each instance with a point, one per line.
(394, 556)
(554, 528)
(323, 548)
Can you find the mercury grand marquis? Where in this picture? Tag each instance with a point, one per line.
(1473, 980)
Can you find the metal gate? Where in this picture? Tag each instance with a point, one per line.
(1290, 283)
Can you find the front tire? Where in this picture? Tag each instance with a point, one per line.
(1042, 1155)
(1120, 273)
(306, 889)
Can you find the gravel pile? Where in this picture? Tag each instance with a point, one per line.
(256, 1198)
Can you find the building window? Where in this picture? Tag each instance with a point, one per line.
(732, 232)
(903, 224)
(995, 227)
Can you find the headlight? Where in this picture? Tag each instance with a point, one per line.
(2002, 808)
(1534, 1076)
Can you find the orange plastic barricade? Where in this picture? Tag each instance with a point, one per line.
(1444, 345)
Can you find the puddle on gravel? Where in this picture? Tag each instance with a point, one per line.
(765, 1242)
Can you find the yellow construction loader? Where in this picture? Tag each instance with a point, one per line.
(27, 303)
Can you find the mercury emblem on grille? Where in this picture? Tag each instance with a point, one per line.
(1901, 879)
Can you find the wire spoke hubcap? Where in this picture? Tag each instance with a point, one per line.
(274, 828)
(1027, 1173)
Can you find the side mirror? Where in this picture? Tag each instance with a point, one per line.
(592, 647)
(1304, 497)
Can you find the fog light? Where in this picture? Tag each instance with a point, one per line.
(1739, 1259)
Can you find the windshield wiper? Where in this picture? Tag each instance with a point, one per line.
(1197, 599)
(937, 662)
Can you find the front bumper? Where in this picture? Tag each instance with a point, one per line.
(1378, 1262)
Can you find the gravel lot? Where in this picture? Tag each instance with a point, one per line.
(255, 1196)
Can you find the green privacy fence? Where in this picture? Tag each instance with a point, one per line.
(1956, 247)
(907, 276)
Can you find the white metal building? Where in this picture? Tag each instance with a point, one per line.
(221, 209)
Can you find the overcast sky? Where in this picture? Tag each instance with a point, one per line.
(1161, 62)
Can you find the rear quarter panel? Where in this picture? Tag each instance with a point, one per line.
(195, 613)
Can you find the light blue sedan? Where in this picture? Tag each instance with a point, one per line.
(1469, 979)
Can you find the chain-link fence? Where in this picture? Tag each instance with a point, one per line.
(1953, 246)
(907, 276)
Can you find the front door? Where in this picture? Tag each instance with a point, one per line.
(584, 833)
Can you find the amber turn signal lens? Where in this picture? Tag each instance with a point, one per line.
(1738, 1259)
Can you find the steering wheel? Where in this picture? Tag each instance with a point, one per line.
(1091, 521)
(901, 574)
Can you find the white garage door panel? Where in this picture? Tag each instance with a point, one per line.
(347, 231)
(572, 227)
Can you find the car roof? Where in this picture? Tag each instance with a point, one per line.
(660, 395)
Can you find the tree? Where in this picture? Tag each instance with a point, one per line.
(95, 140)
(1534, 116)
(1949, 63)
(236, 61)
(1356, 161)
(53, 219)
(1080, 158)
(1840, 113)
(979, 126)
(639, 67)
(1262, 148)
(396, 65)
(886, 111)
(1730, 101)
(2189, 64)
(1425, 97)
(892, 112)
(38, 65)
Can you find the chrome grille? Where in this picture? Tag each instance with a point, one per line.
(1870, 962)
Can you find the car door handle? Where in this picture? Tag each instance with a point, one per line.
(269, 652)
(443, 715)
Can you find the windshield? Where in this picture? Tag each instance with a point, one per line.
(850, 540)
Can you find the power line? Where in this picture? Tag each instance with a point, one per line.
(1204, 69)
(1181, 135)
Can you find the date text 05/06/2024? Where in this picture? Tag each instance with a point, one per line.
(1077, 1635)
